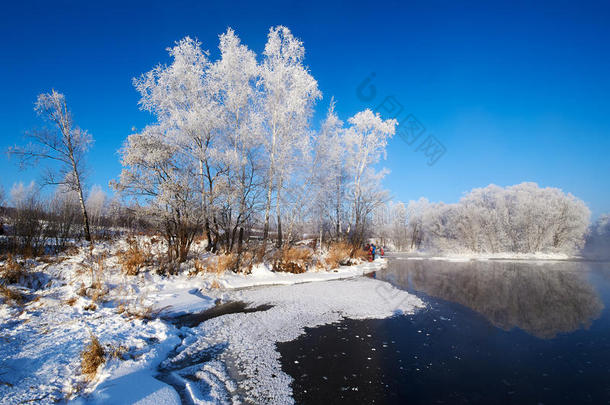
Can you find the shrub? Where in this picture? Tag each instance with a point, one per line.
(217, 265)
(226, 262)
(12, 272)
(141, 312)
(292, 260)
(92, 357)
(11, 295)
(344, 254)
(339, 254)
(95, 265)
(200, 266)
(247, 260)
(134, 258)
(361, 254)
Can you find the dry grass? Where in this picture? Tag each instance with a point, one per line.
(71, 301)
(95, 266)
(225, 262)
(118, 352)
(361, 254)
(71, 250)
(82, 290)
(92, 357)
(90, 307)
(200, 266)
(338, 254)
(248, 260)
(12, 272)
(217, 264)
(98, 291)
(293, 260)
(135, 257)
(145, 313)
(343, 254)
(11, 295)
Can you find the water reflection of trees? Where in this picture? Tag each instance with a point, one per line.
(543, 299)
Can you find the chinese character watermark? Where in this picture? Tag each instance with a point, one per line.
(410, 129)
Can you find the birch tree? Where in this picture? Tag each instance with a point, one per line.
(232, 80)
(62, 144)
(176, 94)
(1, 210)
(288, 95)
(329, 169)
(365, 139)
(158, 171)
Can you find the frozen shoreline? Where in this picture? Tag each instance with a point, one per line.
(42, 341)
(506, 256)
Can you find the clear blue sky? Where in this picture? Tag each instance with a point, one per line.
(515, 92)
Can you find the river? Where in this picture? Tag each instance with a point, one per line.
(522, 332)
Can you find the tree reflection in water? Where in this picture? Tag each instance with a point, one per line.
(543, 299)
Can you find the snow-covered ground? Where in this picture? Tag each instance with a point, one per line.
(230, 358)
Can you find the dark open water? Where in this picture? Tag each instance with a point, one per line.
(492, 332)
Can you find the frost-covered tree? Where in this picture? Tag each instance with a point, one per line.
(63, 144)
(176, 94)
(96, 204)
(236, 132)
(288, 95)
(64, 214)
(417, 214)
(209, 113)
(169, 162)
(365, 141)
(523, 218)
(398, 225)
(160, 172)
(232, 80)
(329, 171)
(2, 203)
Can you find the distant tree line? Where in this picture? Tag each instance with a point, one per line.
(34, 224)
(524, 218)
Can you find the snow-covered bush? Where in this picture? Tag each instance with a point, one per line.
(523, 218)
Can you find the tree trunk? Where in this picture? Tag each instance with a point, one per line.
(267, 212)
(239, 247)
(83, 209)
(338, 208)
(279, 232)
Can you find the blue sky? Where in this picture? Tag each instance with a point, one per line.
(514, 92)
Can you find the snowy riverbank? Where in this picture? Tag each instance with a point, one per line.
(506, 256)
(227, 358)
